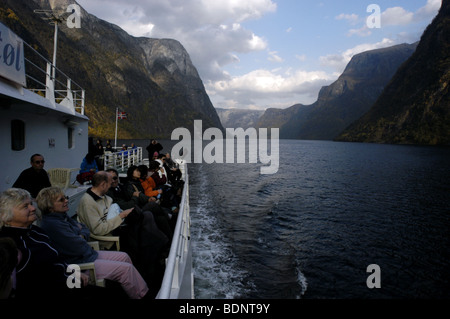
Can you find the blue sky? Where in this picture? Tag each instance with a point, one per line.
(269, 53)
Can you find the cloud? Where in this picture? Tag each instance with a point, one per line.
(429, 10)
(273, 57)
(362, 32)
(195, 23)
(301, 58)
(352, 18)
(395, 16)
(400, 16)
(216, 33)
(259, 86)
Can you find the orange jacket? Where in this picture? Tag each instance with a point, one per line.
(149, 186)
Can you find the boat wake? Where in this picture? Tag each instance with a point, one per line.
(217, 274)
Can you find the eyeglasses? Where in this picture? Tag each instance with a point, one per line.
(63, 199)
(39, 162)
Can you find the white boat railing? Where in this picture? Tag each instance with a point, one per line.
(46, 80)
(178, 278)
(123, 159)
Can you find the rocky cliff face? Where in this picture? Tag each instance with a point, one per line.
(153, 80)
(239, 118)
(415, 107)
(347, 99)
(284, 119)
(339, 104)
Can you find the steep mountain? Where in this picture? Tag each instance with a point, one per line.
(282, 118)
(153, 80)
(349, 97)
(415, 107)
(239, 118)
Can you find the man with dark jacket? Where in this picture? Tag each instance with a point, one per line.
(117, 192)
(35, 178)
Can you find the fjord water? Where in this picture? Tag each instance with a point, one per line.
(311, 230)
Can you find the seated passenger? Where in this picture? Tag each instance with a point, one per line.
(41, 273)
(148, 183)
(133, 187)
(89, 164)
(94, 205)
(117, 192)
(87, 169)
(35, 178)
(8, 261)
(173, 175)
(156, 172)
(162, 169)
(170, 198)
(172, 169)
(125, 200)
(124, 149)
(70, 239)
(139, 237)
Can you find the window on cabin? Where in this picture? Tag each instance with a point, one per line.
(17, 135)
(70, 138)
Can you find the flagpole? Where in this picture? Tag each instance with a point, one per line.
(115, 139)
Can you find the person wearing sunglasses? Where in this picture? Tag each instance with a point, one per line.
(70, 239)
(34, 178)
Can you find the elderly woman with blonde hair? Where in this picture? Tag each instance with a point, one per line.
(70, 239)
(40, 271)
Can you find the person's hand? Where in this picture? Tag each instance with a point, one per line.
(84, 279)
(125, 213)
(136, 194)
(152, 199)
(160, 191)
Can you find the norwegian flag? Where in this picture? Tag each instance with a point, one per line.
(121, 115)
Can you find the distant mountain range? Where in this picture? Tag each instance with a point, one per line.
(152, 80)
(391, 95)
(415, 107)
(239, 118)
(398, 94)
(342, 102)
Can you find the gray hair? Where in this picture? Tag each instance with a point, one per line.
(8, 200)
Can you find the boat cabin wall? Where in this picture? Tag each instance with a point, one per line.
(61, 139)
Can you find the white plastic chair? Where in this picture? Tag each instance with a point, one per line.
(60, 177)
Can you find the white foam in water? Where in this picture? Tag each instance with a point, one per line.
(216, 273)
(301, 279)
